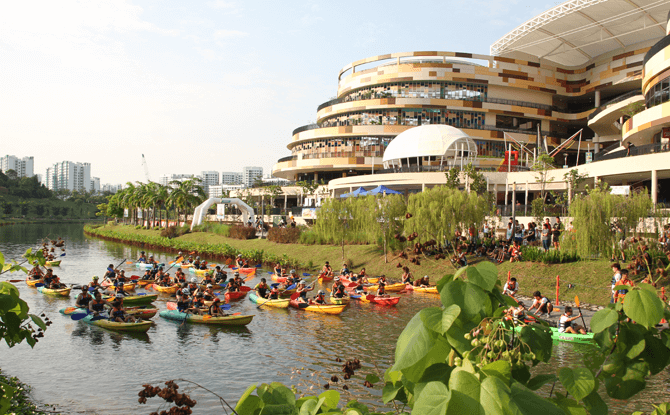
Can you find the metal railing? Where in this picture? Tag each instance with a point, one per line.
(611, 102)
(527, 210)
(635, 151)
(442, 168)
(287, 158)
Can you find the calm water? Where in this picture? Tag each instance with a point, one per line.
(85, 369)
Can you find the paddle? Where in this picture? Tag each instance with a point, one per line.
(129, 262)
(181, 258)
(580, 312)
(249, 278)
(39, 284)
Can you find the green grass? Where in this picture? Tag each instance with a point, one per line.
(591, 279)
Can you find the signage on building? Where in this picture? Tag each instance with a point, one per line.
(309, 213)
(220, 211)
(666, 132)
(620, 190)
(589, 156)
(125, 213)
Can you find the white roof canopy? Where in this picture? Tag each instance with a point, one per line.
(576, 31)
(431, 141)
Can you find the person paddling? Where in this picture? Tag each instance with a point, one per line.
(215, 310)
(183, 300)
(48, 277)
(302, 291)
(320, 298)
(36, 272)
(118, 314)
(97, 305)
(94, 283)
(565, 324)
(220, 276)
(143, 258)
(262, 288)
(180, 276)
(84, 298)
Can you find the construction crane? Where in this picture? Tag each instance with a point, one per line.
(146, 169)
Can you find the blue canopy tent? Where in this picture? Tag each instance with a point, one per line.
(358, 192)
(382, 190)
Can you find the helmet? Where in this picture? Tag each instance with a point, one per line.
(197, 257)
(151, 256)
(292, 271)
(194, 280)
(217, 300)
(179, 253)
(337, 278)
(84, 287)
(186, 291)
(118, 295)
(301, 282)
(237, 273)
(209, 286)
(95, 277)
(239, 255)
(321, 292)
(141, 252)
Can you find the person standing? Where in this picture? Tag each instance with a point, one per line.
(556, 233)
(616, 269)
(546, 234)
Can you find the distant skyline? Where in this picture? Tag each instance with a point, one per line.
(208, 85)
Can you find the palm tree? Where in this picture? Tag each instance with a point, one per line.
(186, 195)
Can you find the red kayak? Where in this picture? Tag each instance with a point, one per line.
(246, 270)
(390, 301)
(236, 295)
(324, 278)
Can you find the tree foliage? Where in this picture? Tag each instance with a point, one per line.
(340, 219)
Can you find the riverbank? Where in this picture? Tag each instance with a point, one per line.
(23, 221)
(590, 280)
(18, 394)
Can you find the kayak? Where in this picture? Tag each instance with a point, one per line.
(287, 293)
(246, 270)
(324, 278)
(432, 290)
(390, 301)
(277, 278)
(326, 309)
(134, 299)
(373, 280)
(389, 287)
(53, 263)
(31, 283)
(143, 265)
(63, 292)
(142, 283)
(280, 303)
(235, 295)
(187, 265)
(194, 318)
(127, 286)
(566, 337)
(339, 301)
(141, 326)
(201, 271)
(166, 290)
(140, 311)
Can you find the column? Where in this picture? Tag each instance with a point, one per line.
(525, 206)
(506, 190)
(597, 98)
(316, 176)
(423, 187)
(285, 201)
(654, 186)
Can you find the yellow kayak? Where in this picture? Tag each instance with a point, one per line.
(63, 292)
(393, 288)
(432, 290)
(166, 290)
(53, 263)
(339, 301)
(31, 283)
(280, 303)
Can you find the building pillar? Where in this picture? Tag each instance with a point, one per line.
(526, 204)
(316, 176)
(654, 186)
(597, 99)
(423, 187)
(285, 201)
(596, 139)
(506, 190)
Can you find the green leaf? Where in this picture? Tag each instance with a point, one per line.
(311, 407)
(495, 397)
(571, 407)
(2, 261)
(38, 321)
(643, 307)
(437, 354)
(470, 298)
(372, 378)
(603, 319)
(579, 382)
(438, 320)
(539, 340)
(247, 403)
(631, 340)
(655, 353)
(331, 399)
(521, 374)
(501, 369)
(528, 403)
(632, 381)
(5, 397)
(282, 409)
(540, 380)
(443, 281)
(455, 337)
(595, 404)
(278, 394)
(465, 392)
(361, 408)
(433, 400)
(438, 372)
(484, 275)
(648, 287)
(414, 342)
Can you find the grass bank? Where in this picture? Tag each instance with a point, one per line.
(590, 279)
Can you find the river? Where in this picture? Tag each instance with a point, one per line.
(86, 369)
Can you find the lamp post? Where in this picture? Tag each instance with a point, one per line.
(514, 206)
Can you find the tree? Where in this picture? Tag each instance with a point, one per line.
(542, 165)
(453, 178)
(339, 220)
(307, 188)
(384, 219)
(12, 175)
(475, 180)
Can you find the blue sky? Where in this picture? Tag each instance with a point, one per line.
(207, 85)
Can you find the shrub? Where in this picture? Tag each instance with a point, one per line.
(170, 232)
(284, 235)
(534, 254)
(242, 232)
(111, 223)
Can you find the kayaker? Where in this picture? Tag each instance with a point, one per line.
(118, 315)
(292, 278)
(183, 300)
(198, 304)
(196, 263)
(208, 294)
(320, 298)
(302, 291)
(94, 283)
(151, 260)
(180, 276)
(382, 279)
(340, 291)
(193, 285)
(143, 258)
(362, 274)
(121, 278)
(336, 283)
(110, 274)
(207, 280)
(215, 310)
(189, 260)
(203, 266)
(241, 262)
(274, 293)
(238, 280)
(179, 257)
(511, 287)
(542, 304)
(165, 280)
(262, 288)
(55, 283)
(422, 282)
(344, 270)
(621, 294)
(84, 298)
(327, 270)
(36, 272)
(381, 289)
(97, 305)
(277, 270)
(119, 291)
(406, 276)
(565, 323)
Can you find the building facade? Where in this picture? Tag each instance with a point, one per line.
(229, 177)
(543, 83)
(250, 174)
(68, 175)
(209, 178)
(24, 167)
(95, 185)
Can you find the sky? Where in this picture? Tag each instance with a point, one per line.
(202, 85)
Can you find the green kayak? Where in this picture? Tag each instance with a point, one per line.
(567, 337)
(134, 299)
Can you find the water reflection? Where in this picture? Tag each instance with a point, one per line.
(294, 347)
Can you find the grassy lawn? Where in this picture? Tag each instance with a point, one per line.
(591, 279)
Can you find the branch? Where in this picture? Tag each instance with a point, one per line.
(213, 393)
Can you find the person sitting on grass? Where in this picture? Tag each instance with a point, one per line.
(542, 304)
(511, 287)
(565, 323)
(514, 252)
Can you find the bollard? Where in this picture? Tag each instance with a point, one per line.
(558, 285)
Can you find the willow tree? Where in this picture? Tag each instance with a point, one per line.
(383, 218)
(438, 212)
(339, 220)
(593, 216)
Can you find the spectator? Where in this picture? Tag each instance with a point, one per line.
(616, 269)
(556, 233)
(545, 236)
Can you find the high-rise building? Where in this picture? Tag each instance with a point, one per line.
(164, 180)
(95, 185)
(112, 188)
(23, 167)
(209, 178)
(69, 175)
(250, 174)
(230, 177)
(40, 178)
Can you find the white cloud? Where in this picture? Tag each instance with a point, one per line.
(229, 34)
(221, 4)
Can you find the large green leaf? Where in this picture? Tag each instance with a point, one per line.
(414, 342)
(470, 298)
(483, 275)
(465, 392)
(539, 340)
(439, 320)
(579, 382)
(571, 407)
(311, 407)
(6, 393)
(437, 354)
(528, 403)
(495, 397)
(2, 261)
(433, 400)
(540, 380)
(629, 382)
(501, 369)
(603, 319)
(630, 341)
(282, 409)
(655, 353)
(595, 404)
(644, 307)
(331, 399)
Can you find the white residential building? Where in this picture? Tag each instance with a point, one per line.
(164, 180)
(40, 178)
(250, 174)
(209, 178)
(69, 175)
(217, 191)
(230, 177)
(95, 185)
(112, 188)
(23, 167)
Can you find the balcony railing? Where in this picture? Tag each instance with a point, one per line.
(443, 168)
(332, 154)
(635, 151)
(611, 102)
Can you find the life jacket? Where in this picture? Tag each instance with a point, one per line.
(84, 300)
(99, 307)
(563, 325)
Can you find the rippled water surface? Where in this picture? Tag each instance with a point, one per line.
(86, 369)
